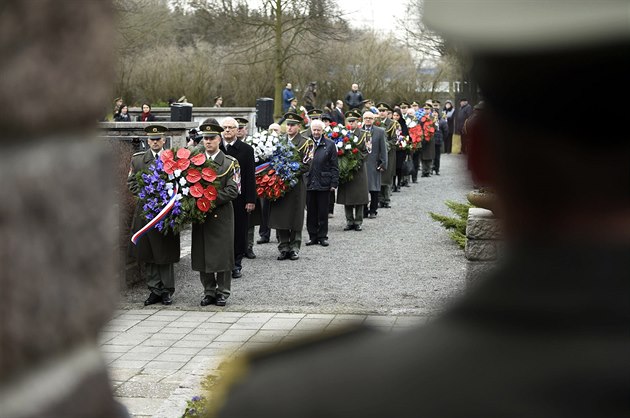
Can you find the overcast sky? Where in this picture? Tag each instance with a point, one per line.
(374, 14)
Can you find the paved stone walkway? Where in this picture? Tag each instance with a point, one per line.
(157, 358)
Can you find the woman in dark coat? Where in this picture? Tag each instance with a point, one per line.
(401, 155)
(123, 116)
(449, 111)
(146, 115)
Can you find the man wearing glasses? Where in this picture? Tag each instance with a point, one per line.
(286, 214)
(245, 202)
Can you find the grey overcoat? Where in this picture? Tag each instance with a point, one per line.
(377, 157)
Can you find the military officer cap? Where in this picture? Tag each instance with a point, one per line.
(383, 106)
(414, 103)
(351, 116)
(293, 118)
(404, 104)
(155, 131)
(209, 130)
(326, 116)
(427, 106)
(314, 113)
(242, 122)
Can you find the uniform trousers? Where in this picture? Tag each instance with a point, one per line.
(385, 195)
(290, 239)
(415, 157)
(160, 278)
(218, 283)
(426, 168)
(354, 214)
(317, 214)
(264, 231)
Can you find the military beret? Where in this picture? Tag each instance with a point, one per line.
(155, 131)
(210, 129)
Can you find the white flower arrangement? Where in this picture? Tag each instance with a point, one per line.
(264, 144)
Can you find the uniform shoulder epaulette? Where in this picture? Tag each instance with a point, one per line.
(229, 157)
(138, 153)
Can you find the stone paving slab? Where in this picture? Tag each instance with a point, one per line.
(155, 373)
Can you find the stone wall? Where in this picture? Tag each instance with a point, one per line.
(483, 242)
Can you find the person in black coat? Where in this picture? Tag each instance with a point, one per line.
(337, 113)
(441, 132)
(320, 180)
(123, 116)
(245, 202)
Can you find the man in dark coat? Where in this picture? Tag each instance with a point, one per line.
(157, 250)
(441, 132)
(354, 98)
(354, 195)
(212, 251)
(322, 178)
(376, 161)
(337, 114)
(546, 335)
(286, 214)
(464, 112)
(387, 177)
(245, 202)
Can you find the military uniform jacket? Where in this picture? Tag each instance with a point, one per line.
(387, 176)
(377, 157)
(288, 211)
(355, 192)
(244, 154)
(545, 336)
(213, 240)
(428, 149)
(154, 246)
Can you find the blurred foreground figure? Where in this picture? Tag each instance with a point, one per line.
(548, 334)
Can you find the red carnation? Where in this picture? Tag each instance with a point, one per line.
(339, 152)
(335, 135)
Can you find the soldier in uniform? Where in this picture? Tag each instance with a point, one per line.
(245, 202)
(354, 195)
(286, 214)
(376, 161)
(212, 251)
(387, 177)
(157, 250)
(427, 153)
(545, 335)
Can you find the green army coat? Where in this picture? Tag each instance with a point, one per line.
(288, 211)
(355, 192)
(154, 246)
(213, 240)
(387, 176)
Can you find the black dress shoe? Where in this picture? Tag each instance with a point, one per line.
(152, 299)
(166, 299)
(283, 255)
(371, 216)
(208, 300)
(311, 242)
(323, 243)
(220, 300)
(236, 274)
(349, 227)
(358, 228)
(386, 206)
(293, 255)
(262, 241)
(250, 254)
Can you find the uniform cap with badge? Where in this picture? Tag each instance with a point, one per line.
(351, 116)
(209, 130)
(155, 131)
(383, 106)
(242, 122)
(314, 113)
(292, 118)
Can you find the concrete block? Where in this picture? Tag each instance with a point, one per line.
(480, 250)
(482, 224)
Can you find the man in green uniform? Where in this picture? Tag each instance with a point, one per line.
(157, 250)
(354, 194)
(546, 335)
(212, 251)
(286, 214)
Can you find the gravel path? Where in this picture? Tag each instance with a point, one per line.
(402, 262)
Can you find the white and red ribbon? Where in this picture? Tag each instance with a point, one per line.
(165, 211)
